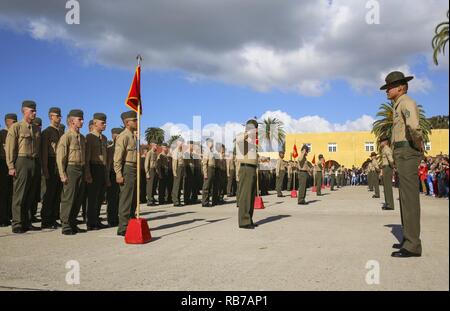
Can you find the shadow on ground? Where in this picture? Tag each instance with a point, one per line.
(271, 219)
(396, 231)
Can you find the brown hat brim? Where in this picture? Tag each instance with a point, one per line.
(396, 83)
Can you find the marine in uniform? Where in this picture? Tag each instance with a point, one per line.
(407, 141)
(22, 154)
(189, 186)
(318, 175)
(247, 155)
(178, 172)
(209, 171)
(6, 180)
(375, 174)
(150, 173)
(219, 185)
(162, 170)
(280, 171)
(70, 159)
(125, 167)
(231, 175)
(113, 191)
(332, 177)
(85, 195)
(52, 196)
(38, 179)
(170, 179)
(303, 174)
(96, 174)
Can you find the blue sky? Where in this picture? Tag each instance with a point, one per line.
(54, 72)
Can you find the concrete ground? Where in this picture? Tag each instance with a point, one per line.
(329, 244)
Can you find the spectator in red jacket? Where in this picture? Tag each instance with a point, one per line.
(423, 175)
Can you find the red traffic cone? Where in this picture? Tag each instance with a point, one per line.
(137, 231)
(259, 204)
(293, 194)
(314, 189)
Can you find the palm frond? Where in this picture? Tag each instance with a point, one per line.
(440, 39)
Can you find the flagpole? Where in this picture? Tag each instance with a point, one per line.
(138, 190)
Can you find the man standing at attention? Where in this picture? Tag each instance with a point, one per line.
(22, 153)
(125, 166)
(407, 141)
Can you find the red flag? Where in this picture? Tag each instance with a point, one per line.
(134, 95)
(314, 160)
(295, 153)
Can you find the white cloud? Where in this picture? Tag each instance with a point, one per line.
(296, 46)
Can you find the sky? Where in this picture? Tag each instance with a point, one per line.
(315, 65)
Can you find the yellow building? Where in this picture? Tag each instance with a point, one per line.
(351, 148)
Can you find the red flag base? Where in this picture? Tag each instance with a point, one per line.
(137, 231)
(314, 189)
(293, 194)
(259, 204)
(323, 187)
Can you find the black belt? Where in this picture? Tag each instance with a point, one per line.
(97, 163)
(28, 157)
(249, 165)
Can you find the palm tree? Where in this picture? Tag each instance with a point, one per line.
(272, 127)
(154, 133)
(440, 39)
(383, 126)
(172, 139)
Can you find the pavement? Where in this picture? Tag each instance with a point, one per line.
(340, 241)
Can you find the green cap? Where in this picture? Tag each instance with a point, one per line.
(55, 110)
(305, 147)
(100, 116)
(253, 122)
(116, 130)
(11, 116)
(37, 121)
(29, 104)
(129, 115)
(76, 113)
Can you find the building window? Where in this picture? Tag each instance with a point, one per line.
(332, 147)
(369, 147)
(428, 146)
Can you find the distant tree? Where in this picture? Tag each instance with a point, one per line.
(172, 139)
(440, 39)
(154, 133)
(270, 128)
(439, 122)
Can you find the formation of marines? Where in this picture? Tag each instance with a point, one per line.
(68, 172)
